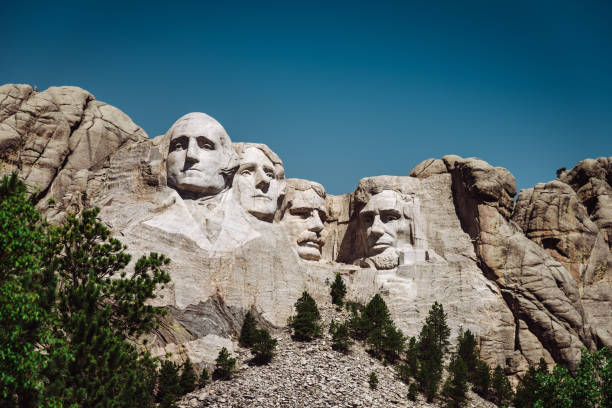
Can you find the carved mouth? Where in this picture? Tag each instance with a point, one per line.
(314, 243)
(381, 245)
(261, 196)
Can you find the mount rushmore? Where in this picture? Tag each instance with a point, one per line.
(531, 278)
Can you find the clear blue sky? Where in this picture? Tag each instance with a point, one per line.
(342, 91)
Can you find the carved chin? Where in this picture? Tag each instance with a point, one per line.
(309, 253)
(388, 259)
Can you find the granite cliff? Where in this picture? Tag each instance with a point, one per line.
(531, 278)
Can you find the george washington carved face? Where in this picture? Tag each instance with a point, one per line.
(200, 156)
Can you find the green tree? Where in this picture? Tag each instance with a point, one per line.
(412, 357)
(373, 316)
(589, 388)
(305, 323)
(501, 388)
(467, 349)
(168, 385)
(436, 323)
(224, 366)
(430, 371)
(481, 378)
(456, 387)
(204, 378)
(373, 380)
(432, 345)
(27, 295)
(338, 291)
(341, 339)
(393, 343)
(71, 321)
(248, 332)
(413, 391)
(188, 378)
(263, 347)
(527, 390)
(100, 312)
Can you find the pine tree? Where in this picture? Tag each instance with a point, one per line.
(99, 312)
(375, 315)
(481, 378)
(338, 291)
(188, 378)
(412, 357)
(413, 391)
(27, 295)
(436, 321)
(263, 347)
(248, 332)
(168, 385)
(373, 380)
(204, 378)
(525, 396)
(224, 365)
(341, 340)
(393, 342)
(79, 313)
(433, 342)
(456, 387)
(305, 323)
(467, 349)
(501, 388)
(430, 371)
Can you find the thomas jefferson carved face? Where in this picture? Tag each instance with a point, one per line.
(303, 216)
(257, 183)
(200, 156)
(386, 225)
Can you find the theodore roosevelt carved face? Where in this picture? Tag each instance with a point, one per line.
(201, 159)
(386, 225)
(259, 182)
(303, 214)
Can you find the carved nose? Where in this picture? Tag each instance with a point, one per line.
(377, 227)
(262, 181)
(192, 152)
(314, 223)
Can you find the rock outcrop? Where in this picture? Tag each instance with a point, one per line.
(531, 280)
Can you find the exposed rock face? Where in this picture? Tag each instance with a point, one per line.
(530, 282)
(571, 218)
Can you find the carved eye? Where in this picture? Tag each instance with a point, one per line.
(303, 213)
(205, 144)
(368, 218)
(176, 146)
(322, 216)
(246, 172)
(388, 217)
(269, 173)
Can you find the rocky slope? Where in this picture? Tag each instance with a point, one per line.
(312, 375)
(531, 279)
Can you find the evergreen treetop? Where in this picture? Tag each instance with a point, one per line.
(338, 290)
(248, 332)
(224, 365)
(305, 323)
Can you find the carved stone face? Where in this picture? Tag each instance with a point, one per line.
(256, 185)
(385, 228)
(303, 220)
(199, 151)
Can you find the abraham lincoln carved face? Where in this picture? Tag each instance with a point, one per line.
(387, 224)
